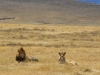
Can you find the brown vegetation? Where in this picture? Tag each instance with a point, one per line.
(81, 43)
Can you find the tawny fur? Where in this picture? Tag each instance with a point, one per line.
(62, 59)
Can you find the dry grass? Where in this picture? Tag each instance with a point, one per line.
(81, 43)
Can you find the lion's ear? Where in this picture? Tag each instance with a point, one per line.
(21, 48)
(18, 50)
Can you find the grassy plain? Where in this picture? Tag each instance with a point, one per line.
(81, 43)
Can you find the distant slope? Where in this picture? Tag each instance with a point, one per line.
(49, 11)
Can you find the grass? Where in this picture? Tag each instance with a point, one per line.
(44, 42)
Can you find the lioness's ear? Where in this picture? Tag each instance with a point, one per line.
(64, 52)
(59, 53)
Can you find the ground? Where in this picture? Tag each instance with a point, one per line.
(44, 42)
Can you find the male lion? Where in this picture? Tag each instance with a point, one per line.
(21, 56)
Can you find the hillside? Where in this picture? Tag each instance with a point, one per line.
(69, 12)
